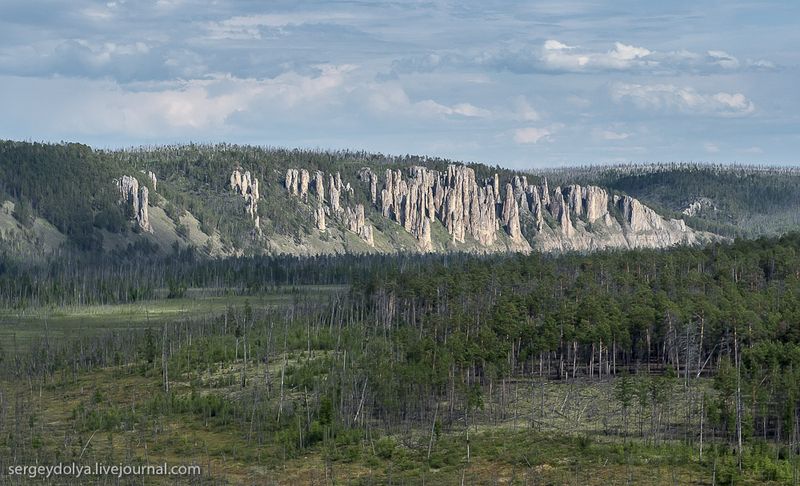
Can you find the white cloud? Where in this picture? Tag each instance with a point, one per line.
(184, 108)
(554, 56)
(558, 56)
(556, 45)
(250, 27)
(723, 59)
(711, 148)
(611, 135)
(668, 97)
(531, 135)
(524, 111)
(391, 98)
(761, 64)
(736, 102)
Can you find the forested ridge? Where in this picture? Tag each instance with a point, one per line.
(72, 186)
(735, 200)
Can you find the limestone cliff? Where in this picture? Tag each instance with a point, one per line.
(356, 222)
(484, 215)
(296, 182)
(153, 179)
(137, 198)
(246, 186)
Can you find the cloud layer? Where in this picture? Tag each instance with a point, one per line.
(521, 85)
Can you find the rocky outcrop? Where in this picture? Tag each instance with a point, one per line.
(511, 214)
(560, 211)
(366, 174)
(246, 186)
(153, 179)
(468, 208)
(352, 218)
(319, 186)
(304, 180)
(699, 205)
(319, 217)
(335, 192)
(137, 199)
(536, 206)
(574, 195)
(489, 214)
(595, 201)
(143, 217)
(356, 222)
(292, 181)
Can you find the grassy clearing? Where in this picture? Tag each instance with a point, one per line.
(19, 328)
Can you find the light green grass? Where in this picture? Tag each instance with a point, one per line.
(19, 328)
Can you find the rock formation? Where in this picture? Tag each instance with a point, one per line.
(137, 198)
(292, 181)
(560, 211)
(304, 180)
(352, 218)
(356, 222)
(490, 214)
(153, 179)
(319, 186)
(511, 214)
(319, 217)
(335, 192)
(595, 200)
(468, 208)
(246, 186)
(699, 205)
(366, 174)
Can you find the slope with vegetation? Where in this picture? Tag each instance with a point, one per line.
(413, 204)
(737, 201)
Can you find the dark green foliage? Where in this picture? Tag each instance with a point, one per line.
(70, 185)
(738, 200)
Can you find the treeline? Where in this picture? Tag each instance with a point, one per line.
(740, 201)
(68, 184)
(139, 273)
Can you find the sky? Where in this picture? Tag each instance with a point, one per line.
(519, 84)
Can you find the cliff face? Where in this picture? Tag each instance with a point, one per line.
(487, 215)
(245, 185)
(137, 199)
(330, 208)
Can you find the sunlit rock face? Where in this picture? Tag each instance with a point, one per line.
(328, 191)
(244, 184)
(137, 198)
(486, 214)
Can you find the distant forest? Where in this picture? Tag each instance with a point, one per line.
(736, 201)
(71, 186)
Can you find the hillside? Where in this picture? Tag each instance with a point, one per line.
(236, 200)
(736, 201)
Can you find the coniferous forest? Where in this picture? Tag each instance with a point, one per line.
(576, 368)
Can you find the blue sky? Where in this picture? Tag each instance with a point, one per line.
(520, 84)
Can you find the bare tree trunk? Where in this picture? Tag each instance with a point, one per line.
(433, 429)
(738, 399)
(165, 359)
